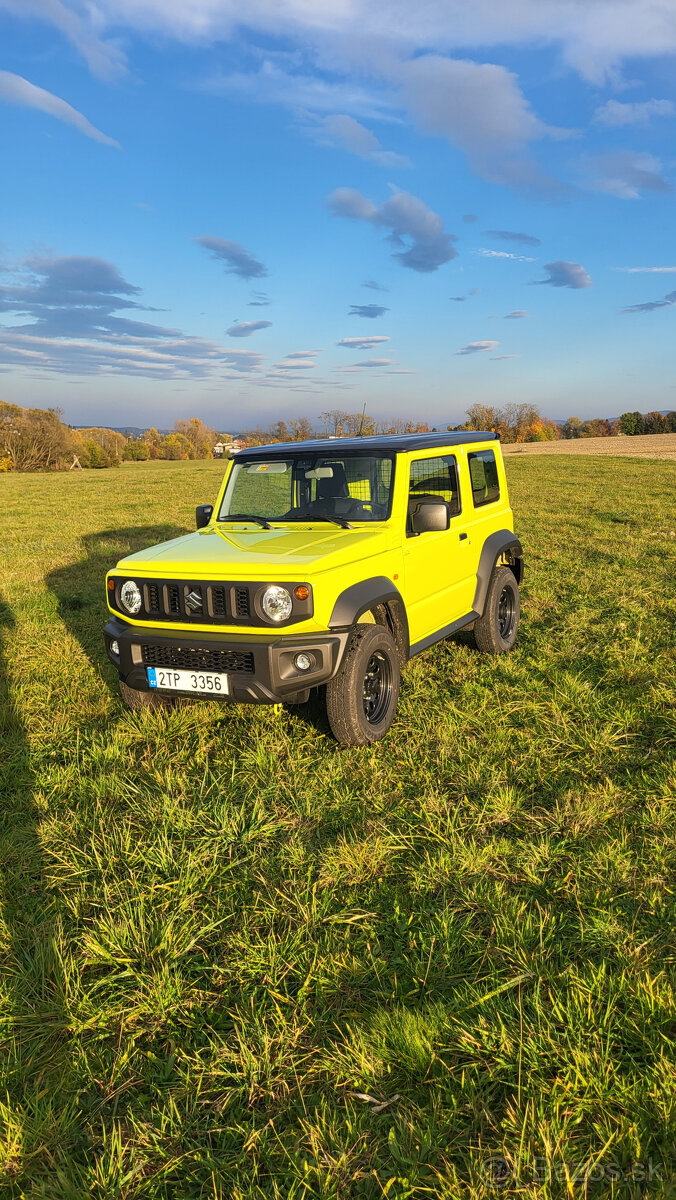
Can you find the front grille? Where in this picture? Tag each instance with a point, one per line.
(241, 602)
(172, 602)
(218, 608)
(204, 602)
(196, 658)
(152, 598)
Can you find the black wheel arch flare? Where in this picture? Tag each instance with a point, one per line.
(366, 595)
(502, 542)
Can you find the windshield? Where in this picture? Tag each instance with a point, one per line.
(353, 487)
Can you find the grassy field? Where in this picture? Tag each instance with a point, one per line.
(238, 961)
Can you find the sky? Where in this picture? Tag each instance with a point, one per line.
(326, 205)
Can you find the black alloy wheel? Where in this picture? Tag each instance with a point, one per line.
(377, 688)
(496, 629)
(506, 612)
(362, 697)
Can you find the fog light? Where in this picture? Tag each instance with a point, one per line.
(303, 662)
(115, 648)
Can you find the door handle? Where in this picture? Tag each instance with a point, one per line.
(462, 537)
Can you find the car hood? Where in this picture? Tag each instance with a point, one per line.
(259, 553)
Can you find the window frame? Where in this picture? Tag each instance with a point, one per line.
(477, 454)
(293, 457)
(436, 458)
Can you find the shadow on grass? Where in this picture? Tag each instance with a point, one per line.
(80, 587)
(41, 1120)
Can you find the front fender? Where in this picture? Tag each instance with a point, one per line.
(369, 594)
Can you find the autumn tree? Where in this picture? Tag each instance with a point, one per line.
(334, 420)
(656, 422)
(136, 450)
(153, 438)
(200, 436)
(255, 437)
(34, 439)
(301, 430)
(112, 442)
(176, 448)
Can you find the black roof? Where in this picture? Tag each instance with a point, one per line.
(359, 445)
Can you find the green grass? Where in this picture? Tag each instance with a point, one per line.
(218, 927)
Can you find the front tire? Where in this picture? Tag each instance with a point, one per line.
(495, 631)
(361, 699)
(135, 699)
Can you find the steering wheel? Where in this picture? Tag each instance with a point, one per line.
(365, 506)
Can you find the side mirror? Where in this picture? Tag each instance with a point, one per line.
(203, 515)
(430, 516)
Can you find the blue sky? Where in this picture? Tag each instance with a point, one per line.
(416, 207)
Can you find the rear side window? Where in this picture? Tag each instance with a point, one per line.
(483, 472)
(437, 477)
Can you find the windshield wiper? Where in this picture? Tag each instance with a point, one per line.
(320, 517)
(247, 517)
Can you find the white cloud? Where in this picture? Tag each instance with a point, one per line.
(296, 364)
(343, 132)
(239, 261)
(480, 108)
(566, 274)
(362, 343)
(305, 94)
(669, 301)
(616, 114)
(648, 270)
(242, 329)
(369, 311)
(518, 312)
(624, 173)
(103, 57)
(73, 327)
(504, 254)
(477, 347)
(593, 37)
(429, 246)
(17, 90)
(509, 235)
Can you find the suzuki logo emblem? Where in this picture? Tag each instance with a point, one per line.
(194, 601)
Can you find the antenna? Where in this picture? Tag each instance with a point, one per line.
(361, 423)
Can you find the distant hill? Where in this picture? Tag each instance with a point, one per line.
(127, 430)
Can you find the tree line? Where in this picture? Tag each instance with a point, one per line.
(36, 439)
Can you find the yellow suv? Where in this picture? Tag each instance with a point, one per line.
(323, 565)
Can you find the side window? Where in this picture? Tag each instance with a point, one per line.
(483, 472)
(437, 477)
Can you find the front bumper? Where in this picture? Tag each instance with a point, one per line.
(260, 670)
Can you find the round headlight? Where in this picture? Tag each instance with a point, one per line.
(130, 597)
(276, 603)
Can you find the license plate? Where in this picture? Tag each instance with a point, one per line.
(188, 681)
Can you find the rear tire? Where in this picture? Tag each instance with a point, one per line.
(135, 699)
(361, 699)
(495, 631)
